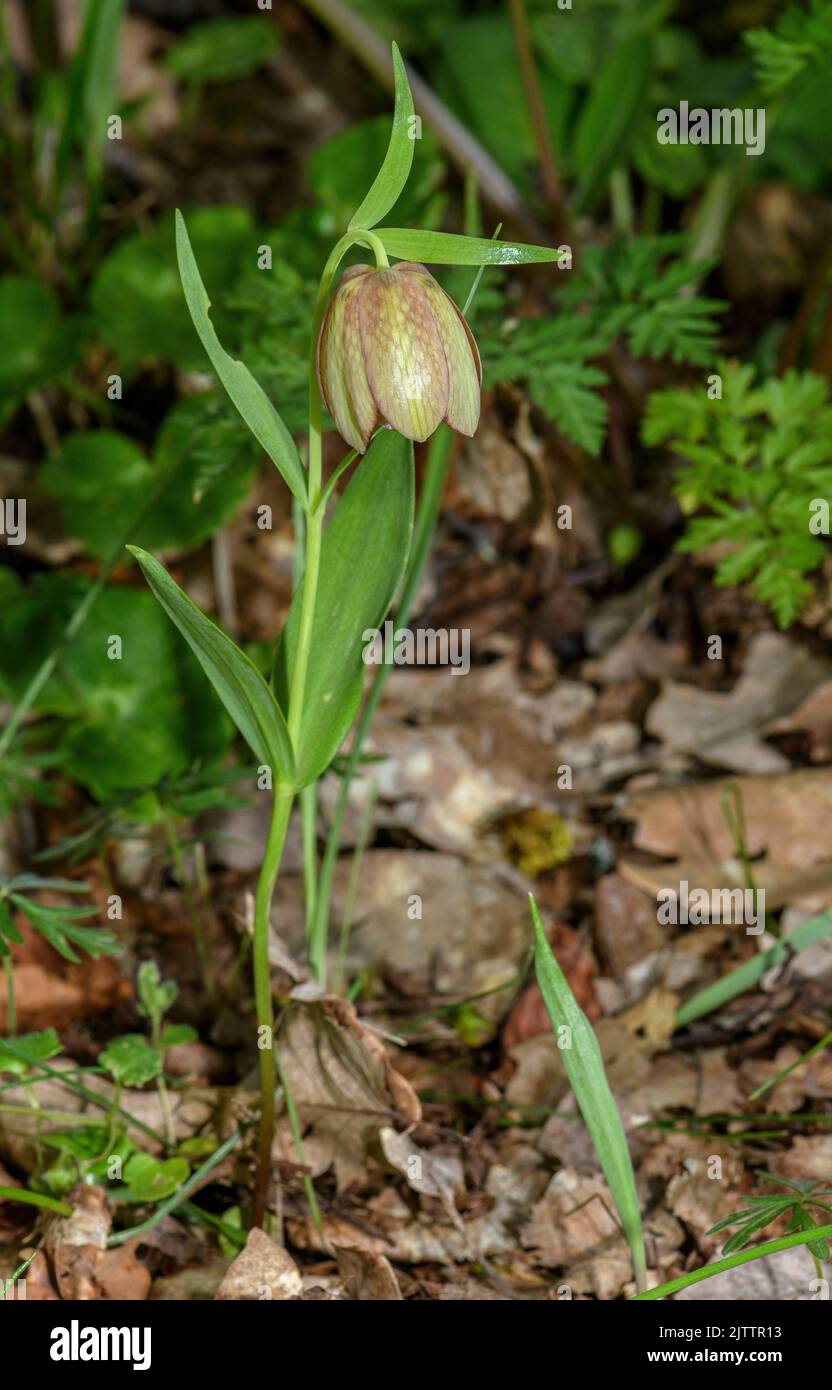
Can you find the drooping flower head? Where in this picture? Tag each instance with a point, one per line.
(394, 349)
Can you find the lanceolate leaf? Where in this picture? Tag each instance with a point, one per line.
(446, 248)
(364, 552)
(393, 174)
(247, 394)
(235, 678)
(585, 1069)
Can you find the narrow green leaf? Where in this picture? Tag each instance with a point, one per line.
(748, 974)
(446, 248)
(588, 1079)
(608, 121)
(34, 1199)
(364, 552)
(247, 395)
(58, 926)
(730, 1221)
(394, 172)
(242, 689)
(771, 1247)
(92, 86)
(753, 1223)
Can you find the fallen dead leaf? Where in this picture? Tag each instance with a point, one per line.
(786, 815)
(725, 728)
(344, 1086)
(654, 1017)
(808, 1160)
(51, 992)
(84, 1267)
(813, 717)
(436, 924)
(367, 1275)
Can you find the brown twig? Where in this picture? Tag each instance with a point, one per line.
(790, 347)
(822, 358)
(538, 117)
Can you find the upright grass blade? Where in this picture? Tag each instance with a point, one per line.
(247, 395)
(608, 118)
(92, 87)
(585, 1069)
(751, 971)
(826, 1041)
(393, 174)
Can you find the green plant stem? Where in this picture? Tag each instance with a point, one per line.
(771, 1247)
(714, 212)
(11, 1006)
(309, 818)
(538, 116)
(745, 976)
(621, 198)
(297, 1136)
(161, 1088)
(428, 512)
(352, 885)
(281, 810)
(786, 1071)
(34, 1199)
(61, 1117)
(18, 1274)
(284, 796)
(216, 1223)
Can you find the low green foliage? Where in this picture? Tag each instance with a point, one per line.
(28, 1050)
(793, 1206)
(101, 479)
(152, 1179)
(37, 345)
(222, 49)
(800, 38)
(60, 926)
(633, 293)
(757, 459)
(131, 1060)
(124, 723)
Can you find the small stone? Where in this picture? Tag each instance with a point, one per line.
(262, 1271)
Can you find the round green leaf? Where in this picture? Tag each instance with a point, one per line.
(131, 1060)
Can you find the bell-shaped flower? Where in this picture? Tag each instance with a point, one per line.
(394, 349)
